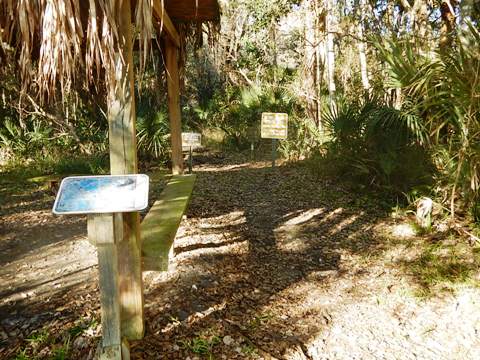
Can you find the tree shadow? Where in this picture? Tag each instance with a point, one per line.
(292, 229)
(37, 235)
(269, 231)
(441, 265)
(48, 308)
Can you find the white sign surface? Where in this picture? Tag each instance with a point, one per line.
(274, 126)
(191, 140)
(102, 194)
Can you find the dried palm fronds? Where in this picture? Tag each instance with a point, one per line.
(144, 24)
(60, 49)
(60, 37)
(54, 40)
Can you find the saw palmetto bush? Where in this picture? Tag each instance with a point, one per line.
(153, 135)
(238, 112)
(444, 88)
(377, 145)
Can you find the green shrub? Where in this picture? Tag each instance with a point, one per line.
(372, 143)
(153, 135)
(443, 87)
(238, 112)
(82, 165)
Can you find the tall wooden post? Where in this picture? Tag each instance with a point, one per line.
(101, 231)
(173, 88)
(123, 160)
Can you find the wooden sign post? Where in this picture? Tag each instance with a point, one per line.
(191, 141)
(105, 198)
(174, 111)
(274, 126)
(120, 265)
(123, 160)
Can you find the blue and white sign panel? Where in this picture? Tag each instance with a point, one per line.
(102, 194)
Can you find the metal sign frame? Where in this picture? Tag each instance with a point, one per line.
(141, 184)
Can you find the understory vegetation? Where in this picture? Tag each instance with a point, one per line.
(363, 242)
(383, 94)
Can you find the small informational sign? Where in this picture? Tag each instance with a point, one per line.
(274, 126)
(191, 140)
(102, 194)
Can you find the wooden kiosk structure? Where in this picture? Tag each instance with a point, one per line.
(101, 36)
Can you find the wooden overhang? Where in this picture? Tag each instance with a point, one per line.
(192, 10)
(180, 11)
(161, 15)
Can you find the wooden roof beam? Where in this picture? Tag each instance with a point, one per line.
(167, 24)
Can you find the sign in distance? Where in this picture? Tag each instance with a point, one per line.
(191, 140)
(102, 194)
(274, 126)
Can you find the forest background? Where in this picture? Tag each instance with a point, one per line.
(382, 94)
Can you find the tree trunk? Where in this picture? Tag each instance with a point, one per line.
(362, 47)
(274, 50)
(330, 29)
(123, 160)
(421, 26)
(310, 61)
(447, 31)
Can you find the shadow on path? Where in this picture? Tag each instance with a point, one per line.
(293, 226)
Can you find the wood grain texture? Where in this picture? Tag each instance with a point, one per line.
(111, 353)
(123, 160)
(162, 221)
(165, 22)
(101, 231)
(193, 10)
(173, 88)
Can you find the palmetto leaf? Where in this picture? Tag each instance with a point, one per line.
(444, 90)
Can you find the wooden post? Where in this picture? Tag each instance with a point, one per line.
(123, 160)
(173, 88)
(190, 161)
(274, 151)
(101, 231)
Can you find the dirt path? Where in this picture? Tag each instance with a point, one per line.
(268, 264)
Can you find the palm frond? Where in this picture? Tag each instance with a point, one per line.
(56, 28)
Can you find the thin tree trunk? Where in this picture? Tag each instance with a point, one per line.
(319, 61)
(274, 49)
(362, 48)
(330, 24)
(447, 11)
(310, 59)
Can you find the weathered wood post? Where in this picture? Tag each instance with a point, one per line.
(117, 235)
(173, 88)
(123, 160)
(274, 152)
(101, 231)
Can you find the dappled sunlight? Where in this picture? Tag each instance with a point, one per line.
(441, 267)
(31, 226)
(278, 268)
(199, 246)
(302, 217)
(235, 167)
(233, 218)
(211, 235)
(345, 224)
(289, 237)
(38, 274)
(403, 231)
